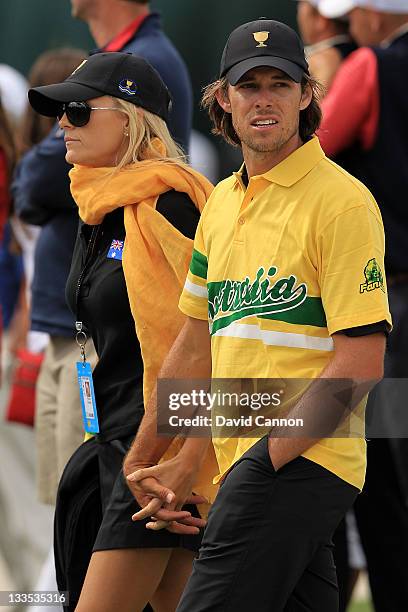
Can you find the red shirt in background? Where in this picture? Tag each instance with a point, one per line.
(351, 109)
(117, 43)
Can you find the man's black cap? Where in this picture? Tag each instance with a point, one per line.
(263, 42)
(120, 75)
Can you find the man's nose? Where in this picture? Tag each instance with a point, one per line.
(264, 98)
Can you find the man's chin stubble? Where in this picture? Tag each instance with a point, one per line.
(268, 147)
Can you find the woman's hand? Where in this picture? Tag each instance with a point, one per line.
(161, 491)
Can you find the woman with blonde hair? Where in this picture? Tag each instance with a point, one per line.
(139, 203)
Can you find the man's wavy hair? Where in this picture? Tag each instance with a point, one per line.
(309, 122)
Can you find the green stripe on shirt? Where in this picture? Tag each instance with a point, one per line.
(199, 265)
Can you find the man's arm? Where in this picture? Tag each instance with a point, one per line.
(189, 357)
(357, 365)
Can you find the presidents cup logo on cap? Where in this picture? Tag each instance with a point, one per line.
(276, 46)
(261, 38)
(127, 86)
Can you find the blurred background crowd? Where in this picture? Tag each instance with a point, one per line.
(42, 43)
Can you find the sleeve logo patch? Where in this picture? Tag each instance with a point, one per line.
(374, 277)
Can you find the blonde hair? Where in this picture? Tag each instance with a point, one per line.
(149, 137)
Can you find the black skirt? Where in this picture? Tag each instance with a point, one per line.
(94, 512)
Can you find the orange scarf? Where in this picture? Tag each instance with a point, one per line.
(156, 257)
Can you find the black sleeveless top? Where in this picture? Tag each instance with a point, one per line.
(96, 293)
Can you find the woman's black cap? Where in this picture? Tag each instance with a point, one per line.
(120, 75)
(263, 42)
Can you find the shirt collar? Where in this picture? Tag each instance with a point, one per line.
(329, 43)
(293, 168)
(117, 43)
(398, 33)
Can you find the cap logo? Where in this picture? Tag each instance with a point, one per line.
(261, 38)
(78, 67)
(127, 86)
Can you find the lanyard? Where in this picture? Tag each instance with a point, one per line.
(84, 370)
(81, 337)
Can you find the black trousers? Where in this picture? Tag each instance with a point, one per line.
(267, 545)
(382, 520)
(382, 508)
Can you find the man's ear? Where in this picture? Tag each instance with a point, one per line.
(321, 23)
(307, 95)
(374, 20)
(223, 100)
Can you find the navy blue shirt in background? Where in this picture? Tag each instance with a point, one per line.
(151, 43)
(42, 197)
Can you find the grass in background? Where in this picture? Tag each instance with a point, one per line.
(360, 606)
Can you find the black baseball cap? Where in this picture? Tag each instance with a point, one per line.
(120, 75)
(263, 42)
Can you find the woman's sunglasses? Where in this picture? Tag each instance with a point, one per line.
(79, 113)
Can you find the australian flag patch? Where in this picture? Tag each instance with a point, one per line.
(116, 250)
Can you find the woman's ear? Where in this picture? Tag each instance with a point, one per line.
(126, 125)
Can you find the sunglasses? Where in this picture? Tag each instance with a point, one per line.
(79, 113)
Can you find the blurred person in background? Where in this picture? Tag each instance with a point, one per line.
(7, 160)
(13, 93)
(137, 196)
(365, 120)
(324, 28)
(24, 536)
(130, 26)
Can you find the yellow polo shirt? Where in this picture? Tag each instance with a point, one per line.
(277, 268)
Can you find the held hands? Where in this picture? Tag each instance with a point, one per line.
(163, 502)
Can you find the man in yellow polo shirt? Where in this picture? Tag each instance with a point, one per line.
(287, 272)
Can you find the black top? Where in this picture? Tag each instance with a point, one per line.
(96, 293)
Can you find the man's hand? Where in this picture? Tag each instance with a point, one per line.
(189, 357)
(164, 502)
